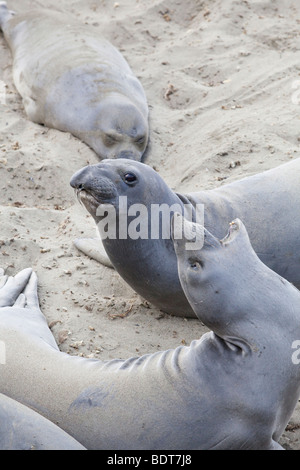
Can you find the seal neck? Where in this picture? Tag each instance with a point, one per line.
(238, 345)
(270, 311)
(149, 265)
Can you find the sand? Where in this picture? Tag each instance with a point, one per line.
(222, 79)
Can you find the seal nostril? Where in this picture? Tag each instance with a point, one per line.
(80, 187)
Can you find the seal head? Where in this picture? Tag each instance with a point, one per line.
(213, 276)
(121, 130)
(140, 248)
(109, 180)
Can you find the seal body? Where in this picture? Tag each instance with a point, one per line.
(23, 429)
(73, 80)
(268, 203)
(235, 388)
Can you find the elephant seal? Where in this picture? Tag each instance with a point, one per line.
(235, 388)
(267, 202)
(23, 429)
(73, 80)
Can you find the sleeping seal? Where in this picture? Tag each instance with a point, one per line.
(73, 80)
(235, 388)
(267, 202)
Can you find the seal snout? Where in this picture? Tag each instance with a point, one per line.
(129, 155)
(90, 180)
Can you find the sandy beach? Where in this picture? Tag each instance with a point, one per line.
(222, 80)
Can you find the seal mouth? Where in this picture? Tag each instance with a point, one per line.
(87, 199)
(234, 229)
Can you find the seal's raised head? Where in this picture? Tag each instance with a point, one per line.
(106, 182)
(212, 271)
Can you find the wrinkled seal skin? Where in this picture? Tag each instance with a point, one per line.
(267, 202)
(23, 429)
(73, 80)
(235, 388)
(254, 314)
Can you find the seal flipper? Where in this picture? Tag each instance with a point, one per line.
(275, 446)
(93, 248)
(12, 287)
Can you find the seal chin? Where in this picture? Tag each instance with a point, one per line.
(130, 155)
(89, 201)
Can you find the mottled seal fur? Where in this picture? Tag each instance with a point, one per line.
(72, 79)
(267, 202)
(235, 388)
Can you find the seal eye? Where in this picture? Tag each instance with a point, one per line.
(130, 178)
(140, 141)
(195, 264)
(109, 140)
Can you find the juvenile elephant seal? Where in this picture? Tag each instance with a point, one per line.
(73, 80)
(253, 312)
(235, 388)
(267, 202)
(23, 429)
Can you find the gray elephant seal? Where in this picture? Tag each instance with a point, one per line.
(73, 80)
(235, 388)
(267, 202)
(253, 312)
(23, 429)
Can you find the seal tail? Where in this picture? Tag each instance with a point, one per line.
(5, 14)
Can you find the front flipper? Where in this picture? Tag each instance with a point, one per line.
(11, 288)
(276, 446)
(93, 248)
(20, 310)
